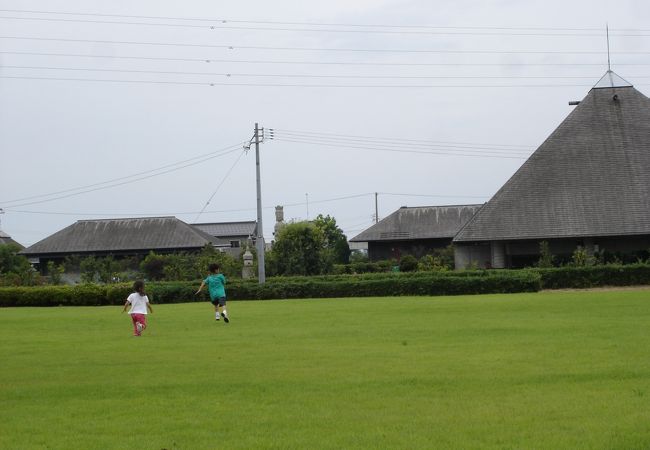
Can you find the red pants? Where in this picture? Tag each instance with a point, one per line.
(138, 319)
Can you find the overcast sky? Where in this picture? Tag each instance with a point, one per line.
(382, 117)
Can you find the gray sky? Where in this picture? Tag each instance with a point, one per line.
(452, 140)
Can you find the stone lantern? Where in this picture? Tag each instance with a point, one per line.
(247, 271)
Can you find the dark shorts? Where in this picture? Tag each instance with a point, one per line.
(221, 301)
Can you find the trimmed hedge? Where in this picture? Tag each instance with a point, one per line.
(391, 286)
(595, 276)
(363, 285)
(178, 292)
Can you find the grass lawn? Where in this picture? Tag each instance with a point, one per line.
(548, 370)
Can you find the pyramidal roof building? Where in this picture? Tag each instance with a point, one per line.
(587, 185)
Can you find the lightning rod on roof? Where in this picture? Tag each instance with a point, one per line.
(609, 65)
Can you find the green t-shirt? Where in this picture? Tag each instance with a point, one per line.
(216, 285)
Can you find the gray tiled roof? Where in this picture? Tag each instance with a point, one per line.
(424, 222)
(591, 177)
(225, 229)
(5, 239)
(111, 235)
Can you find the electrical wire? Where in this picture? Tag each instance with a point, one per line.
(338, 63)
(109, 184)
(308, 76)
(223, 211)
(432, 195)
(396, 150)
(324, 49)
(397, 145)
(223, 20)
(225, 177)
(347, 86)
(210, 155)
(334, 199)
(222, 25)
(422, 142)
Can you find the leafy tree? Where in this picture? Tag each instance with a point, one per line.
(581, 258)
(358, 256)
(14, 268)
(153, 266)
(107, 269)
(11, 261)
(88, 268)
(335, 243)
(299, 249)
(231, 267)
(545, 256)
(432, 263)
(408, 263)
(55, 272)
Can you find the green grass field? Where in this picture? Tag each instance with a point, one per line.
(547, 371)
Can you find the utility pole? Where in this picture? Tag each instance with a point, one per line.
(376, 208)
(259, 242)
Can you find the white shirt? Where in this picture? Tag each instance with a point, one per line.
(138, 303)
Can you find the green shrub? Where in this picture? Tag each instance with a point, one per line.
(545, 256)
(595, 276)
(408, 263)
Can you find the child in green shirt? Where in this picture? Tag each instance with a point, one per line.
(216, 287)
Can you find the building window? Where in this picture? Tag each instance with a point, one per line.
(234, 244)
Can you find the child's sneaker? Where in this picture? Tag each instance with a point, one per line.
(217, 317)
(138, 327)
(225, 318)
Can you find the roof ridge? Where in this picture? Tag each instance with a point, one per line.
(126, 218)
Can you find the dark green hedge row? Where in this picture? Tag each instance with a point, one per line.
(500, 282)
(94, 295)
(594, 276)
(364, 285)
(392, 275)
(391, 286)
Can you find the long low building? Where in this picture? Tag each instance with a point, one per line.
(119, 238)
(415, 231)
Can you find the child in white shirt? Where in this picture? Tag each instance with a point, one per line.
(139, 305)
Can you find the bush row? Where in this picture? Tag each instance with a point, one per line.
(594, 276)
(364, 285)
(176, 292)
(392, 286)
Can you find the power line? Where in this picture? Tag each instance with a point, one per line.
(225, 177)
(109, 184)
(334, 199)
(203, 157)
(432, 195)
(422, 146)
(185, 213)
(397, 150)
(324, 49)
(308, 76)
(222, 25)
(339, 63)
(347, 86)
(224, 20)
(346, 197)
(273, 131)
